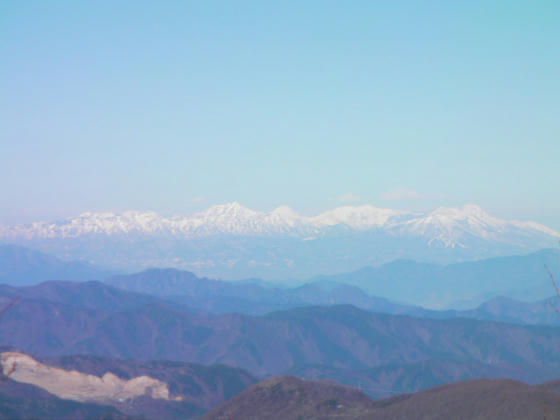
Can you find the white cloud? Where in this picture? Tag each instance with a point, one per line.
(350, 196)
(198, 199)
(402, 194)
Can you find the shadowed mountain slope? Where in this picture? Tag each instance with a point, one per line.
(23, 401)
(90, 295)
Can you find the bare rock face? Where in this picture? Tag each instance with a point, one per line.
(78, 386)
(94, 387)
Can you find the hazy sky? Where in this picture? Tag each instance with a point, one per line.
(175, 106)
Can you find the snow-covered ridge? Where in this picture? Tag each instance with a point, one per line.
(445, 225)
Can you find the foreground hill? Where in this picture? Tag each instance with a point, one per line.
(392, 379)
(87, 386)
(289, 398)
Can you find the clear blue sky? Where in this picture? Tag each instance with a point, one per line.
(175, 106)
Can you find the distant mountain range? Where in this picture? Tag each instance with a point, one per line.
(487, 288)
(247, 297)
(460, 285)
(290, 398)
(21, 266)
(233, 241)
(257, 298)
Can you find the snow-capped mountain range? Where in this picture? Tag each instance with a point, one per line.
(281, 236)
(443, 224)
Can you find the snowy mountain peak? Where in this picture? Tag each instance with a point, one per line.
(227, 212)
(232, 209)
(472, 209)
(286, 212)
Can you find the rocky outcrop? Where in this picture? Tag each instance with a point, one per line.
(78, 386)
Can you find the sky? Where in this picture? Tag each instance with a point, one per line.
(174, 106)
